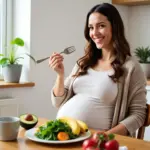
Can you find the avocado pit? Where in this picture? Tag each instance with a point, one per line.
(29, 117)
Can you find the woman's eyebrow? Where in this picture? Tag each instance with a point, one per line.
(101, 22)
(96, 23)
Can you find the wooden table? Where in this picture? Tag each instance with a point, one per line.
(23, 143)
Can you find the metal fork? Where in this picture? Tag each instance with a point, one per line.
(67, 51)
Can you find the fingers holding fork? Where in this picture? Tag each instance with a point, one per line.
(56, 63)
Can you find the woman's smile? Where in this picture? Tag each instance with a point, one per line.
(98, 40)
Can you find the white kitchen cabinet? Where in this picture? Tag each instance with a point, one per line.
(9, 107)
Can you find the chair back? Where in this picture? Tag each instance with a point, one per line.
(140, 134)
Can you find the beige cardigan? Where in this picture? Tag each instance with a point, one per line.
(130, 106)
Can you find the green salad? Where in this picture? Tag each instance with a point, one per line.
(50, 130)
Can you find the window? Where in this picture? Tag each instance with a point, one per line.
(5, 25)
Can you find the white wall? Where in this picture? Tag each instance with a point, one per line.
(139, 26)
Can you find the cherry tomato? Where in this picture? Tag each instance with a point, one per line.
(88, 143)
(112, 145)
(96, 135)
(102, 144)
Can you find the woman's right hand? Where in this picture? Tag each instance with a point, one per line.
(56, 63)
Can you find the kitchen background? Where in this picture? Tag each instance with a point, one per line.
(51, 25)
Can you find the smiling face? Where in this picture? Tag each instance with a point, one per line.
(100, 30)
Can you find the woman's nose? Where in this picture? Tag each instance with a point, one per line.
(95, 31)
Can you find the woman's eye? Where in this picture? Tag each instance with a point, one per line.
(102, 26)
(90, 28)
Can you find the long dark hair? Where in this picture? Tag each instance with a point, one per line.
(120, 44)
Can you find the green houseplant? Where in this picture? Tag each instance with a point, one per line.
(10, 63)
(143, 55)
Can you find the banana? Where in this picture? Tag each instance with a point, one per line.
(72, 123)
(83, 126)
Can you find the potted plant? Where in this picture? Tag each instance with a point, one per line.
(10, 63)
(143, 55)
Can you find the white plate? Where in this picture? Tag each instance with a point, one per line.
(30, 135)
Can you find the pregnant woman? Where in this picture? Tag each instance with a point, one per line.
(106, 88)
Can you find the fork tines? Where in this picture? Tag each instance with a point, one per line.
(71, 48)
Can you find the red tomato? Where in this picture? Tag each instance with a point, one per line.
(112, 145)
(102, 145)
(95, 136)
(88, 143)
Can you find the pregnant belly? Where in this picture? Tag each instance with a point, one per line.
(89, 110)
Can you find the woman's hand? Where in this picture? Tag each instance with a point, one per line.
(56, 63)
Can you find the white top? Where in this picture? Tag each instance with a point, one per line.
(94, 99)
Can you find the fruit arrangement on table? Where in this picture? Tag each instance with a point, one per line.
(101, 141)
(61, 129)
(66, 128)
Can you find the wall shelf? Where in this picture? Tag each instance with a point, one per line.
(131, 2)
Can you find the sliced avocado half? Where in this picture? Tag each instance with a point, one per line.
(28, 122)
